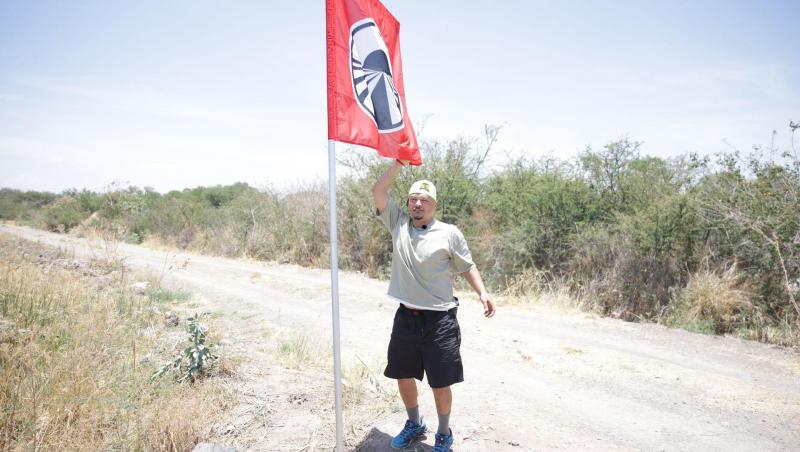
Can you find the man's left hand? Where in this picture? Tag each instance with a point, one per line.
(488, 305)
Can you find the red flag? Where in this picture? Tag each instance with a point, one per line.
(366, 99)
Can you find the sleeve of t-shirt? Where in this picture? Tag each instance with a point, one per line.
(390, 215)
(461, 258)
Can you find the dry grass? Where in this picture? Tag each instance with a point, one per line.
(75, 363)
(530, 282)
(785, 333)
(363, 384)
(539, 287)
(366, 394)
(359, 380)
(716, 301)
(296, 351)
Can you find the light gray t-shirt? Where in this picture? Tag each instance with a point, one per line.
(423, 259)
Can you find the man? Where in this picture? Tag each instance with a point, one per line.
(425, 336)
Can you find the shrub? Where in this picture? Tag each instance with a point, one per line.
(64, 214)
(531, 209)
(19, 205)
(619, 278)
(749, 208)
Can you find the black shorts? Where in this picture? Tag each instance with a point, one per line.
(426, 342)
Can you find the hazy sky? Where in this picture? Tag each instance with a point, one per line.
(175, 94)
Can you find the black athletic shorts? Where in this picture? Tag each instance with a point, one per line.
(426, 342)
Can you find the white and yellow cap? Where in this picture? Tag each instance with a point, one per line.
(423, 187)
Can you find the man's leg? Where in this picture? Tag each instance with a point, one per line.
(408, 392)
(414, 427)
(444, 402)
(443, 366)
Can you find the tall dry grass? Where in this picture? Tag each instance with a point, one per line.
(540, 287)
(723, 302)
(75, 360)
(716, 300)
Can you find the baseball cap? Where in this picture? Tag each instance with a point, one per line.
(423, 187)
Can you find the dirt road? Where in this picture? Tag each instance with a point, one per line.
(536, 378)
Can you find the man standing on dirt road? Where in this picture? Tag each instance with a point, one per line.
(426, 338)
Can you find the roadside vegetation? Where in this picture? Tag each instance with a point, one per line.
(710, 244)
(78, 345)
(95, 356)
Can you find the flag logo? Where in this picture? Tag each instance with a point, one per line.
(366, 95)
(371, 72)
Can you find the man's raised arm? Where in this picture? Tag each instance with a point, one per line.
(380, 191)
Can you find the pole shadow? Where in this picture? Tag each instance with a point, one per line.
(378, 441)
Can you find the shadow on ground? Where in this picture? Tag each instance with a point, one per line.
(378, 441)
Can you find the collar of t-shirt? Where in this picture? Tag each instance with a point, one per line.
(423, 228)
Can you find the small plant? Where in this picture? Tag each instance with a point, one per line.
(297, 351)
(195, 360)
(162, 295)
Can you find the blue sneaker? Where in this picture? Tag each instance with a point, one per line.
(443, 442)
(409, 434)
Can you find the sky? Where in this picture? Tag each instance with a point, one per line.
(177, 94)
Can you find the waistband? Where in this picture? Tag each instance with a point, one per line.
(411, 311)
(419, 312)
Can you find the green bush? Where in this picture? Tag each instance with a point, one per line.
(23, 205)
(64, 214)
(618, 277)
(530, 211)
(749, 207)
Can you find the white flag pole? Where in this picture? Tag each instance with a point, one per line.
(337, 361)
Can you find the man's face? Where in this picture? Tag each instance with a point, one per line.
(421, 207)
